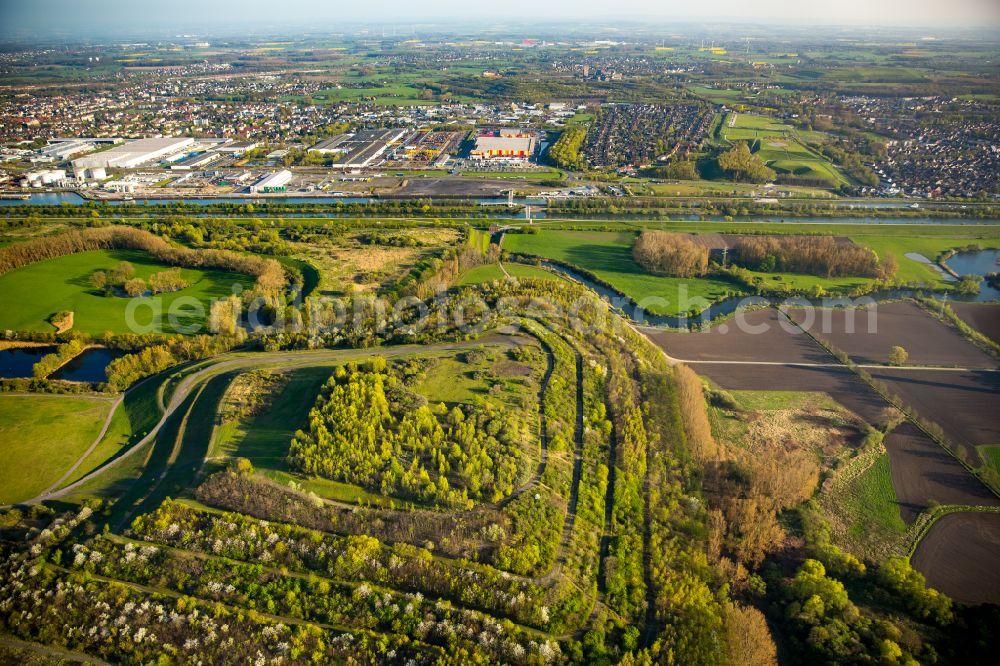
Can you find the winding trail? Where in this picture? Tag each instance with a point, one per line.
(240, 362)
(63, 656)
(115, 404)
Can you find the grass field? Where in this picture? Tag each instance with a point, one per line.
(864, 512)
(29, 295)
(896, 239)
(137, 414)
(491, 272)
(805, 420)
(991, 457)
(41, 437)
(783, 148)
(609, 256)
(264, 439)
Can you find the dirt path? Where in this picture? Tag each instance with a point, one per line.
(97, 440)
(282, 359)
(63, 656)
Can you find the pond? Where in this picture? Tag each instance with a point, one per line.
(979, 262)
(17, 362)
(90, 366)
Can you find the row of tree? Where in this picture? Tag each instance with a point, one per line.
(667, 253)
(268, 272)
(824, 256)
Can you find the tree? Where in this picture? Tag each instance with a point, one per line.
(673, 254)
(99, 280)
(898, 356)
(969, 285)
(740, 165)
(135, 287)
(748, 637)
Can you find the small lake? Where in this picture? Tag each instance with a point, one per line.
(17, 362)
(979, 262)
(90, 366)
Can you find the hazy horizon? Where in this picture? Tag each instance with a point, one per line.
(45, 18)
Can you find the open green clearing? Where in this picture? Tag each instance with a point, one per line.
(492, 272)
(783, 148)
(264, 439)
(608, 255)
(30, 295)
(41, 438)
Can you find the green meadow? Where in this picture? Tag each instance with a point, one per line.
(30, 295)
(41, 437)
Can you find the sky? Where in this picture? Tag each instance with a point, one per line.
(43, 17)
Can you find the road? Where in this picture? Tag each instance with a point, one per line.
(242, 362)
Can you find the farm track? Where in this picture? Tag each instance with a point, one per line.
(57, 655)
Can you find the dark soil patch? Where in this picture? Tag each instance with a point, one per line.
(984, 317)
(923, 472)
(965, 404)
(959, 557)
(839, 383)
(749, 336)
(868, 335)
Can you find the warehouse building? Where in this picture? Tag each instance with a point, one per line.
(134, 153)
(519, 147)
(274, 182)
(332, 145)
(363, 148)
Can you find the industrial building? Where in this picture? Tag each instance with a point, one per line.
(274, 182)
(196, 161)
(363, 148)
(509, 145)
(332, 145)
(237, 147)
(134, 153)
(63, 150)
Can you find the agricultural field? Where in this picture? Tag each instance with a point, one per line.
(967, 574)
(751, 336)
(925, 475)
(983, 317)
(868, 335)
(42, 437)
(30, 295)
(960, 402)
